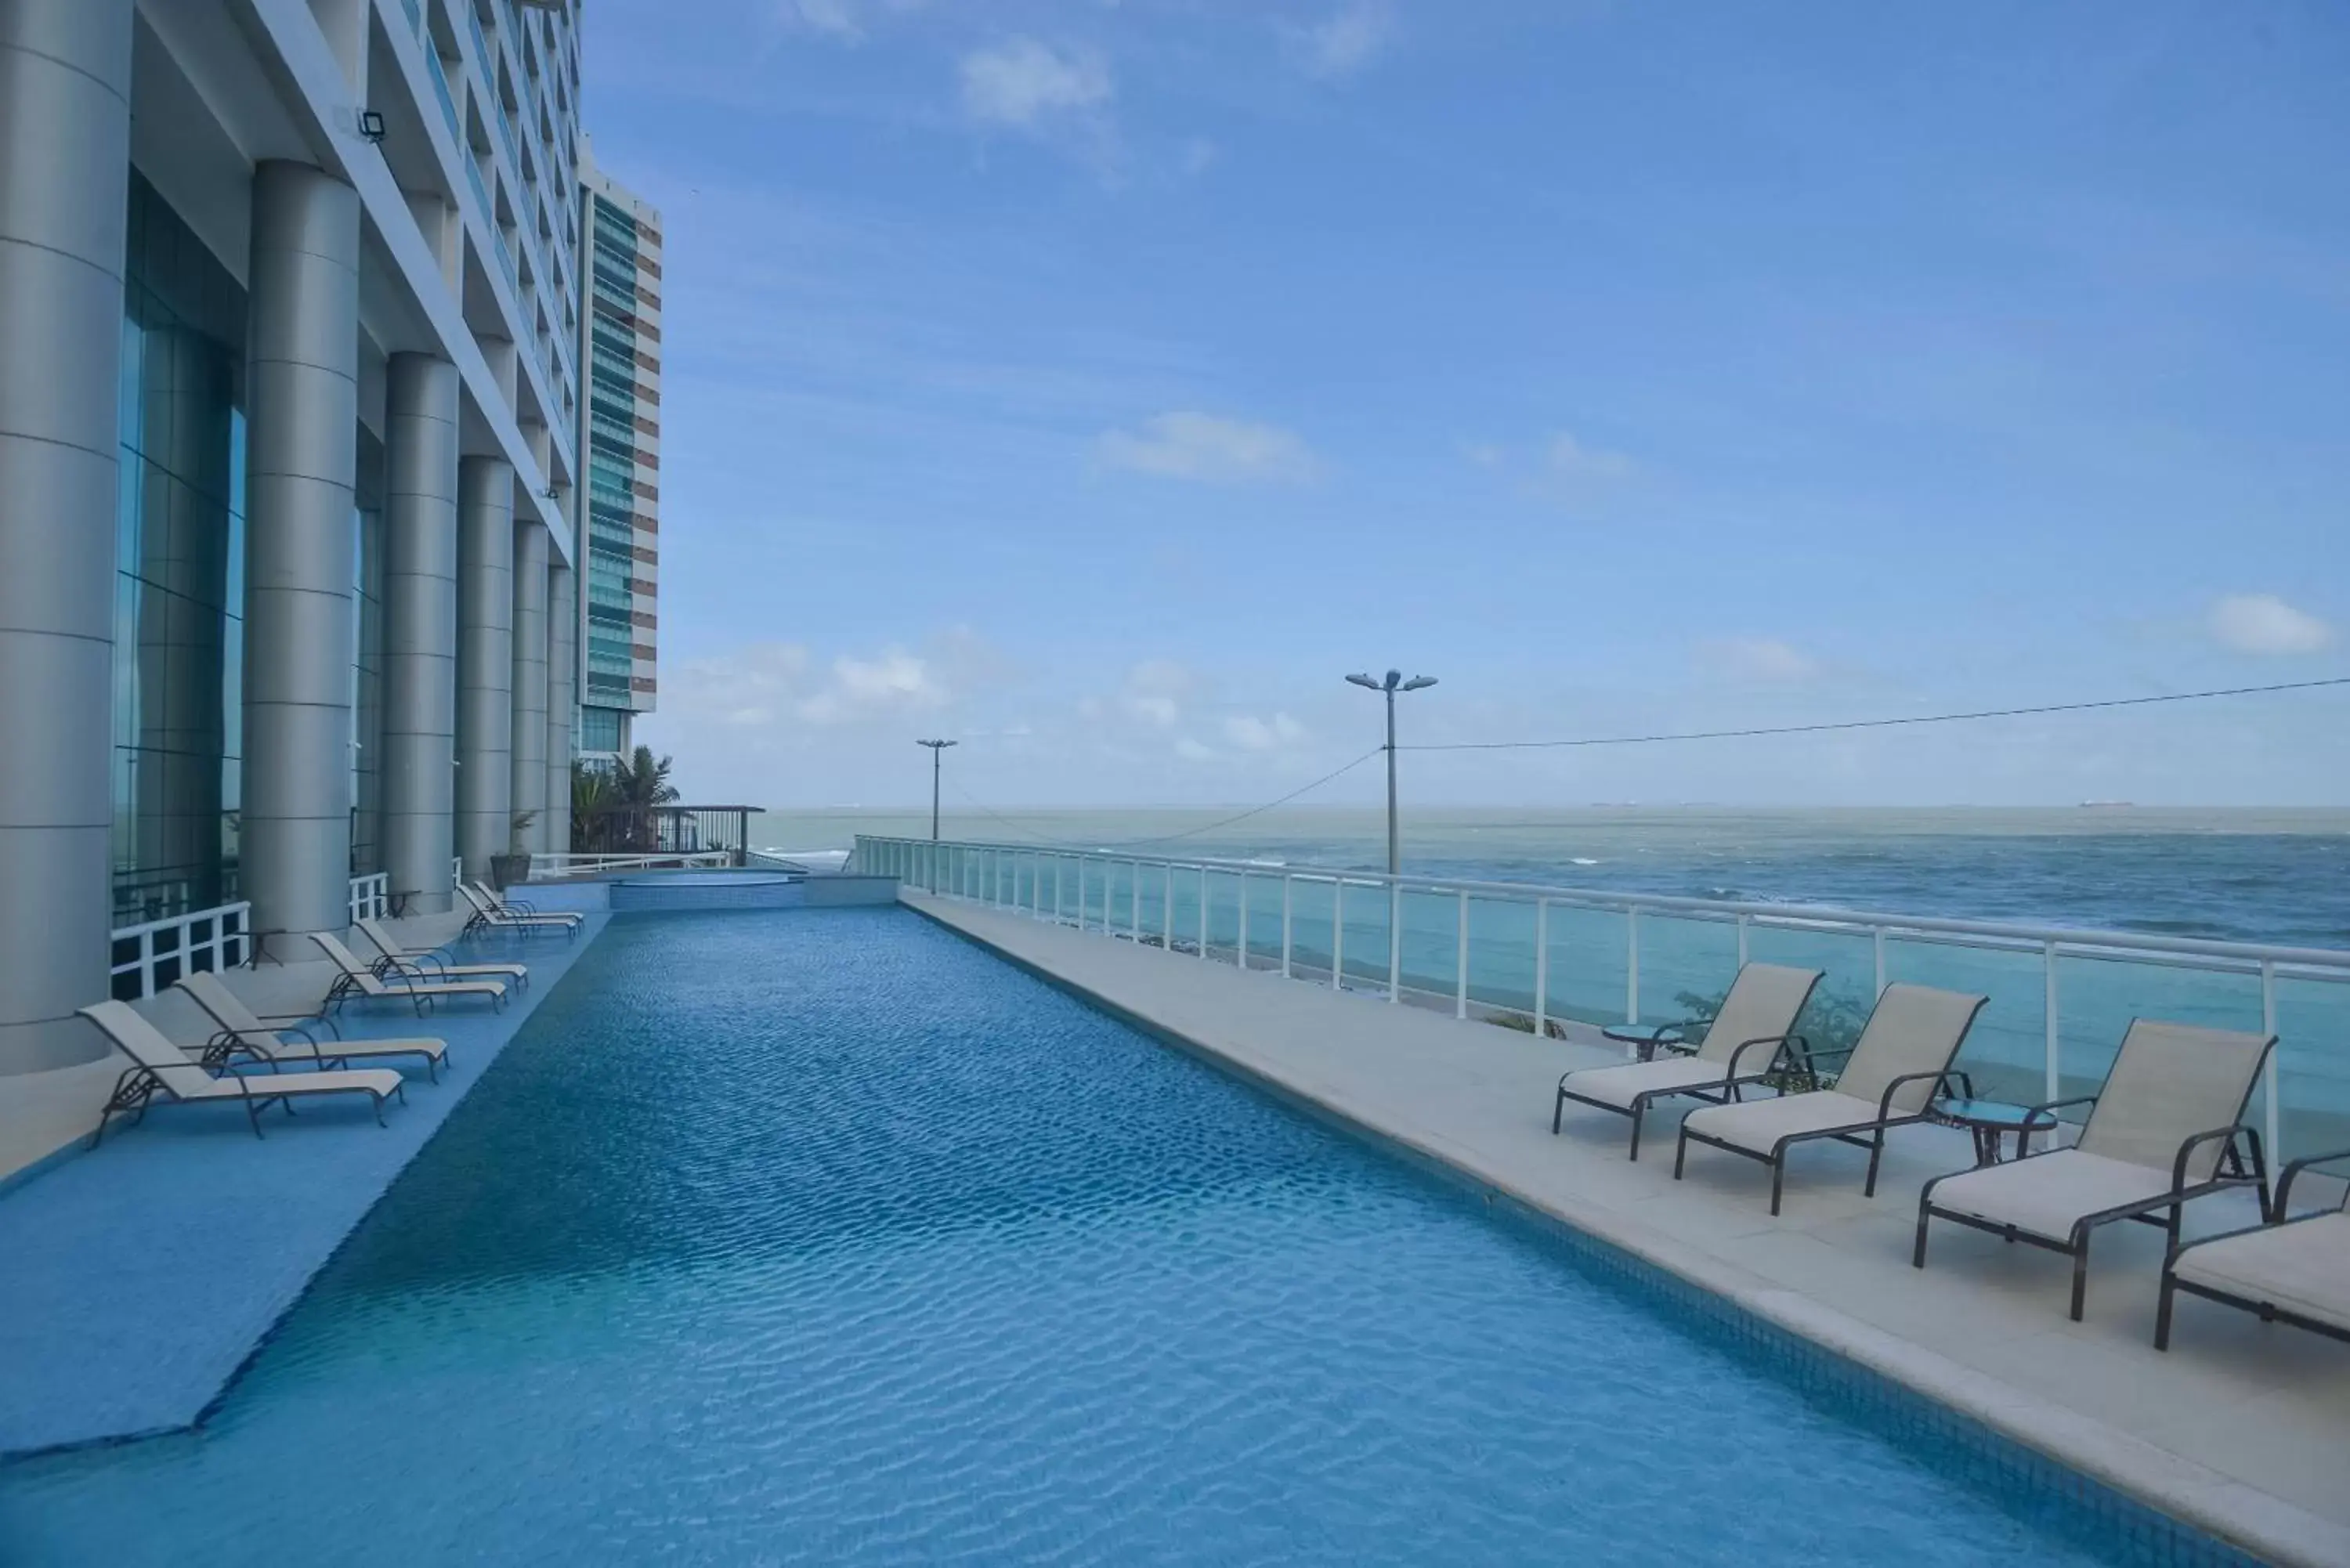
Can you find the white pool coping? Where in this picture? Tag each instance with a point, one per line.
(2241, 1430)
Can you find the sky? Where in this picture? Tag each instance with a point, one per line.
(1096, 383)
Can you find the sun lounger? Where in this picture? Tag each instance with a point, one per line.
(163, 1068)
(490, 914)
(242, 1032)
(2293, 1271)
(2167, 1129)
(430, 963)
(358, 980)
(1754, 1026)
(1902, 1060)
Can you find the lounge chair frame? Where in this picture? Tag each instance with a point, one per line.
(1874, 1142)
(2240, 1140)
(432, 964)
(135, 1089)
(418, 988)
(495, 914)
(226, 1044)
(2273, 1218)
(1729, 1085)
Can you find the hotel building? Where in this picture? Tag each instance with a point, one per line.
(291, 557)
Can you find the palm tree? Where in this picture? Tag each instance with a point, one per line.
(639, 781)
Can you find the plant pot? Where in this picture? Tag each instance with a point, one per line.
(509, 870)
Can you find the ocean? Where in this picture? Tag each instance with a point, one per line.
(2249, 874)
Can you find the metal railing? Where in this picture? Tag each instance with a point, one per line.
(371, 896)
(1538, 957)
(146, 958)
(549, 866)
(662, 830)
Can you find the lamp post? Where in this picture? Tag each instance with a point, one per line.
(1394, 683)
(938, 750)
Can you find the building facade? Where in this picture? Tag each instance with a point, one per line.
(619, 453)
(290, 415)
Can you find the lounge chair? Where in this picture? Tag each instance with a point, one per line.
(1754, 1025)
(490, 914)
(1902, 1060)
(432, 963)
(358, 980)
(2167, 1129)
(244, 1032)
(162, 1067)
(2288, 1270)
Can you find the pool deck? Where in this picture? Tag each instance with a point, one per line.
(2241, 1430)
(140, 1276)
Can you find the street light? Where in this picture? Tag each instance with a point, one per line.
(937, 749)
(1394, 683)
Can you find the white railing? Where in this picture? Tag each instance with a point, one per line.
(146, 958)
(371, 896)
(1537, 956)
(547, 866)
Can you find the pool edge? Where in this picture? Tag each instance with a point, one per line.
(2174, 1489)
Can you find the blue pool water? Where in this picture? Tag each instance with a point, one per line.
(825, 1236)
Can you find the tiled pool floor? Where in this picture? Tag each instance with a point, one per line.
(2241, 1427)
(140, 1276)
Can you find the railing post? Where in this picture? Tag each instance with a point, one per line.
(1203, 912)
(1460, 961)
(1632, 964)
(1741, 942)
(1877, 934)
(1541, 969)
(2272, 1117)
(1285, 902)
(1166, 913)
(1134, 912)
(1243, 942)
(1337, 933)
(1395, 940)
(2048, 999)
(1056, 890)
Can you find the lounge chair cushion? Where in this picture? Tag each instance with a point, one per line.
(2046, 1193)
(1618, 1084)
(184, 1080)
(2170, 1082)
(1913, 1029)
(1757, 1125)
(2303, 1267)
(1762, 1004)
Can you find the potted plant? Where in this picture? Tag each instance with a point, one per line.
(514, 866)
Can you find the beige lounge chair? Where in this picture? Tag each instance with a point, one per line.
(2295, 1270)
(244, 1032)
(432, 963)
(358, 980)
(2166, 1127)
(163, 1068)
(493, 913)
(1756, 1022)
(1891, 1074)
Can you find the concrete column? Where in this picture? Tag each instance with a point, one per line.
(420, 629)
(65, 181)
(530, 681)
(562, 700)
(484, 659)
(302, 453)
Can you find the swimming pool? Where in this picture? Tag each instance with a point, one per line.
(827, 1237)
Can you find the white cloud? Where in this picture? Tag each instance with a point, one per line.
(835, 18)
(1757, 658)
(1568, 458)
(1251, 733)
(1211, 450)
(1156, 691)
(1023, 82)
(1484, 454)
(2264, 623)
(778, 684)
(1344, 41)
(1191, 750)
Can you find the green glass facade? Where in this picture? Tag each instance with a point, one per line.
(611, 462)
(179, 582)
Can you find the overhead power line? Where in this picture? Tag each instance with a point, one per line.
(1878, 723)
(1167, 838)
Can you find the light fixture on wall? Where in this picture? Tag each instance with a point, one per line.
(370, 125)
